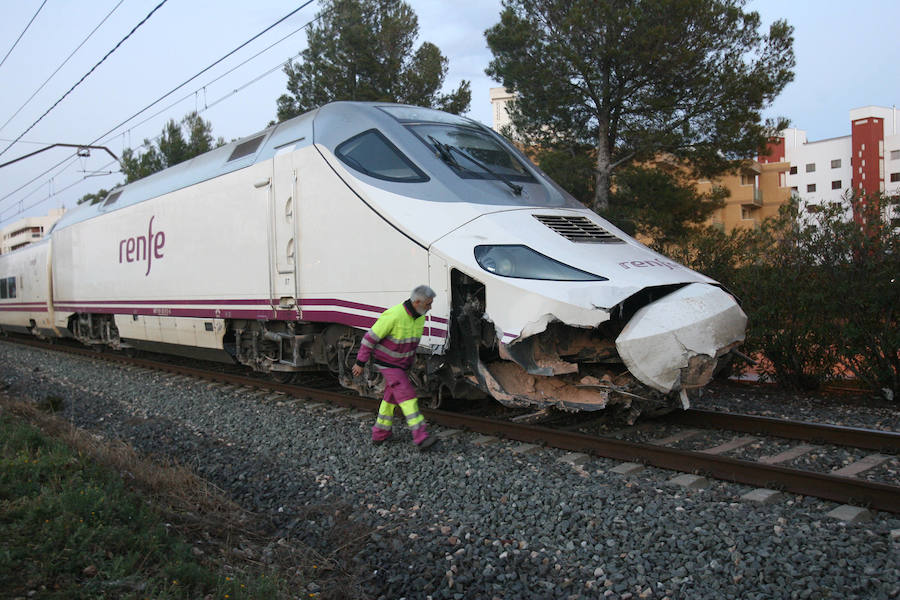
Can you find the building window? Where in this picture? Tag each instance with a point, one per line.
(895, 154)
(895, 177)
(811, 187)
(810, 167)
(746, 213)
(795, 189)
(748, 179)
(836, 163)
(836, 185)
(793, 170)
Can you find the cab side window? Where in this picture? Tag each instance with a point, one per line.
(11, 287)
(3, 288)
(374, 155)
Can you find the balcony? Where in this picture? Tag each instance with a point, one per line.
(748, 196)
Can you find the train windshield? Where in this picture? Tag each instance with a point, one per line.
(462, 143)
(473, 151)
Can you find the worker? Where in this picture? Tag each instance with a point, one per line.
(392, 343)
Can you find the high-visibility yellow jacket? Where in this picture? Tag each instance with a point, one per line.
(393, 338)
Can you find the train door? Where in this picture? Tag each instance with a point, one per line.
(283, 247)
(437, 323)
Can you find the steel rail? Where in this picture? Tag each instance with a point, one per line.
(848, 490)
(869, 439)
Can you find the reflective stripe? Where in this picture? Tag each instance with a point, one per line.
(408, 340)
(392, 354)
(385, 418)
(410, 410)
(393, 338)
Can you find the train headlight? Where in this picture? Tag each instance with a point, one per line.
(521, 262)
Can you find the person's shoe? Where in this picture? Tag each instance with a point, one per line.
(427, 443)
(381, 441)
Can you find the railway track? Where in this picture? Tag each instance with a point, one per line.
(843, 485)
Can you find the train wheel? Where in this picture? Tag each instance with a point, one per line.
(284, 377)
(436, 400)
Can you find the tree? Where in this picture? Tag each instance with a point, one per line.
(660, 203)
(171, 148)
(636, 79)
(363, 50)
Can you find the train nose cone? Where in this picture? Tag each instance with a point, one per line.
(674, 342)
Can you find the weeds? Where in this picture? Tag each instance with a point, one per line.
(81, 517)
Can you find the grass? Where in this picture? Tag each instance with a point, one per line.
(81, 517)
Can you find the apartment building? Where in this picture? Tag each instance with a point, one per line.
(817, 172)
(756, 192)
(825, 171)
(28, 230)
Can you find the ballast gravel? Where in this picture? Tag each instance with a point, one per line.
(473, 521)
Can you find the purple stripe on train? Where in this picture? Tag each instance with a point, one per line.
(339, 302)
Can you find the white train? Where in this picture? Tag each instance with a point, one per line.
(279, 250)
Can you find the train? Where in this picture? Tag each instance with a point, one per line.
(277, 251)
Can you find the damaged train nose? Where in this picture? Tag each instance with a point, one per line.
(674, 343)
(667, 340)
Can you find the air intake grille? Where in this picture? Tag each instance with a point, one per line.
(245, 148)
(578, 229)
(111, 199)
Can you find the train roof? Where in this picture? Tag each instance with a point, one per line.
(236, 155)
(245, 152)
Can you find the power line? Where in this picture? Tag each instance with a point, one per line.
(185, 82)
(70, 159)
(65, 160)
(62, 65)
(30, 181)
(252, 81)
(49, 196)
(157, 7)
(16, 43)
(228, 72)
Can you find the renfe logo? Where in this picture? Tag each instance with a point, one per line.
(135, 249)
(640, 264)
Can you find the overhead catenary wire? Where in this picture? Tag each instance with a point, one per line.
(85, 76)
(223, 75)
(30, 98)
(153, 139)
(54, 193)
(257, 78)
(16, 43)
(202, 71)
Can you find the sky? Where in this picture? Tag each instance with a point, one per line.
(847, 57)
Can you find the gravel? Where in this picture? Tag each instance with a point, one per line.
(857, 409)
(466, 521)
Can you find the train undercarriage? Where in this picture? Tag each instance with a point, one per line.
(619, 365)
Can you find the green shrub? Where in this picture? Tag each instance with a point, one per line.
(820, 290)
